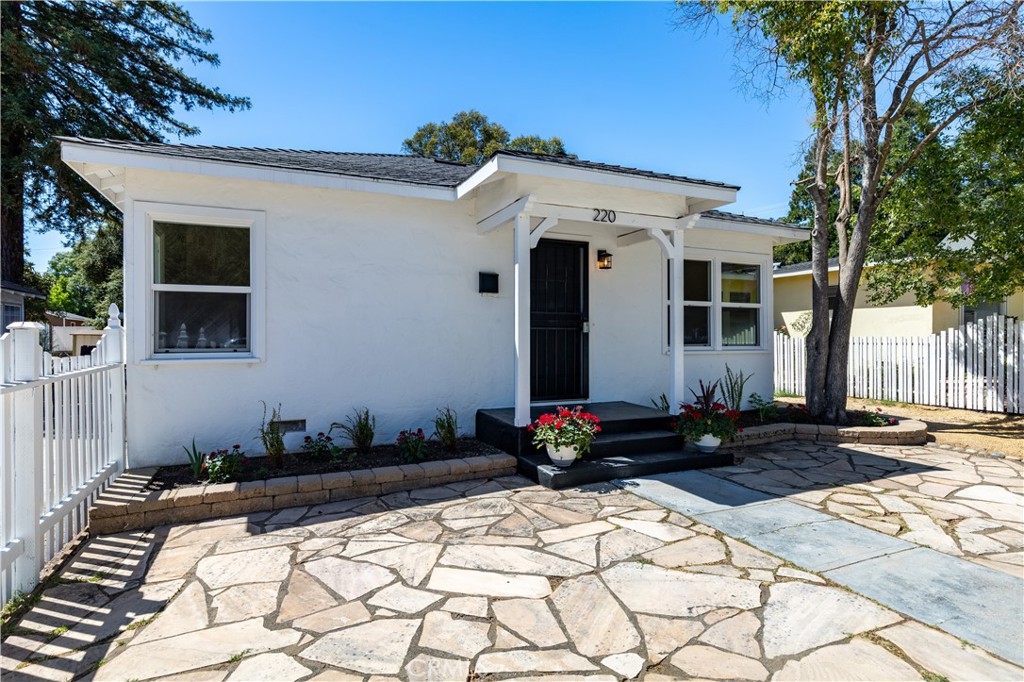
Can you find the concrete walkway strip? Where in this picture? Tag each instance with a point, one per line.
(972, 602)
(975, 603)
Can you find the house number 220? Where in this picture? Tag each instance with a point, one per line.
(602, 215)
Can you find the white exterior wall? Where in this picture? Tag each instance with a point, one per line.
(371, 300)
(732, 247)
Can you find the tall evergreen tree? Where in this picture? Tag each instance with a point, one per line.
(91, 68)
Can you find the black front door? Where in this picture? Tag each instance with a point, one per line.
(558, 313)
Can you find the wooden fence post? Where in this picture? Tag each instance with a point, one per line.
(28, 454)
(112, 345)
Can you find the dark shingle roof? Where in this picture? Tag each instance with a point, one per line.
(395, 167)
(609, 168)
(740, 218)
(802, 267)
(21, 289)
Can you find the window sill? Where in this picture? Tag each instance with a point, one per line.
(723, 349)
(232, 359)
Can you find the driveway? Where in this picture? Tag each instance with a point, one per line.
(505, 580)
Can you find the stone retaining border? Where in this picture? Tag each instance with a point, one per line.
(127, 505)
(907, 432)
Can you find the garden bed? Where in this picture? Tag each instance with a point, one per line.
(301, 464)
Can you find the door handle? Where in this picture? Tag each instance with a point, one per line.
(586, 327)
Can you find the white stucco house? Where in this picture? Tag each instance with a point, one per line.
(328, 281)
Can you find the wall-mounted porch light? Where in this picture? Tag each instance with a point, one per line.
(604, 260)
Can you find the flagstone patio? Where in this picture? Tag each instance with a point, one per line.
(502, 580)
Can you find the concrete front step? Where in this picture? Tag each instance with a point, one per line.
(538, 467)
(634, 443)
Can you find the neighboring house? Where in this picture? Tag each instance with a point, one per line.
(13, 296)
(902, 317)
(330, 281)
(69, 332)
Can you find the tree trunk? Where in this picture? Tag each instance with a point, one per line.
(12, 172)
(12, 223)
(817, 346)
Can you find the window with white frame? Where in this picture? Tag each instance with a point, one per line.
(741, 304)
(202, 288)
(12, 313)
(722, 304)
(697, 303)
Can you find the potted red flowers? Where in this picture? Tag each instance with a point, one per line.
(566, 433)
(706, 422)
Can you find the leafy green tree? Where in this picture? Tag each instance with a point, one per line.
(471, 138)
(865, 65)
(86, 279)
(951, 228)
(90, 68)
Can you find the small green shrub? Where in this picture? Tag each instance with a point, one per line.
(732, 388)
(446, 429)
(410, 443)
(320, 448)
(196, 460)
(359, 428)
(271, 436)
(767, 410)
(876, 418)
(225, 466)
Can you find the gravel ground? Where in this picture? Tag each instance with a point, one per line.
(988, 431)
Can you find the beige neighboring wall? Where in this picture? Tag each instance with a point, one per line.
(1015, 304)
(902, 317)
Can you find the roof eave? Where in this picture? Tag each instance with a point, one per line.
(710, 196)
(780, 234)
(89, 160)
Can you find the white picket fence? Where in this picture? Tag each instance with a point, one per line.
(63, 439)
(979, 366)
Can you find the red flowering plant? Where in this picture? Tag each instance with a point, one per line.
(566, 428)
(705, 415)
(876, 418)
(410, 443)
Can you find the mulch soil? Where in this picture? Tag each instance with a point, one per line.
(300, 464)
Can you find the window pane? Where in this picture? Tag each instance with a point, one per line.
(741, 283)
(193, 322)
(697, 280)
(200, 254)
(739, 327)
(696, 325)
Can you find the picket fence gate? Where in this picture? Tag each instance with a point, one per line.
(63, 440)
(979, 366)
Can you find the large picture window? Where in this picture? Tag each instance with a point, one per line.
(202, 288)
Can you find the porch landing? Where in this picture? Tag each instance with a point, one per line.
(634, 441)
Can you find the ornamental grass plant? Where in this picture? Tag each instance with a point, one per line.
(705, 415)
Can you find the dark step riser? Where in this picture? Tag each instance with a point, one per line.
(634, 446)
(629, 425)
(571, 477)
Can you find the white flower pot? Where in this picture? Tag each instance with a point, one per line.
(708, 443)
(561, 457)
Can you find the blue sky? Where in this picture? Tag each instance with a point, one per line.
(616, 81)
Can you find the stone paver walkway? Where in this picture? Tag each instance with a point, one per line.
(958, 504)
(478, 580)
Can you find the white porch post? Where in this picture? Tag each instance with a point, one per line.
(677, 383)
(522, 318)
